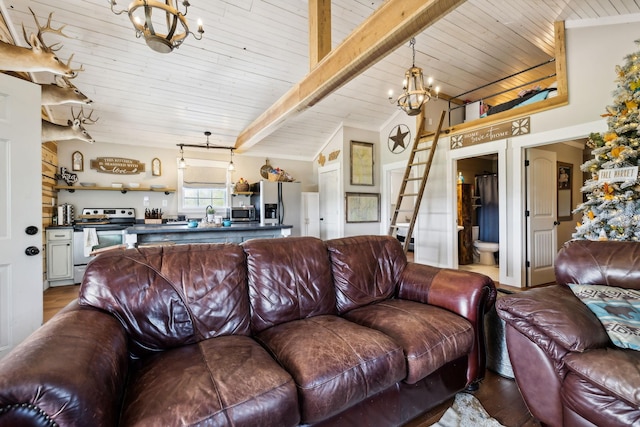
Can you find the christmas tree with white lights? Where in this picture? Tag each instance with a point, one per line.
(612, 207)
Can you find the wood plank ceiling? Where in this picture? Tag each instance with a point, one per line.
(254, 51)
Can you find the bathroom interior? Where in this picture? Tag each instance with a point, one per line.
(478, 215)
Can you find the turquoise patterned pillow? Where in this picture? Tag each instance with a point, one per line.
(618, 309)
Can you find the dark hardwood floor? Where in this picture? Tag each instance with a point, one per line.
(499, 396)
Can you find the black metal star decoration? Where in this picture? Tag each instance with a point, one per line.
(398, 135)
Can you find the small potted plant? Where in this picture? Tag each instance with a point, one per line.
(210, 214)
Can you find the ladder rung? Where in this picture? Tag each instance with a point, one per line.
(422, 149)
(414, 179)
(416, 164)
(409, 194)
(403, 210)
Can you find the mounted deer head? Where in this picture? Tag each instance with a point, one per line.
(39, 56)
(63, 92)
(74, 129)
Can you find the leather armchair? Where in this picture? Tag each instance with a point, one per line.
(567, 369)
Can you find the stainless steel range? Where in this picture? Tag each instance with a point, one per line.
(97, 228)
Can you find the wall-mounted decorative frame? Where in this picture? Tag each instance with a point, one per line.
(361, 163)
(77, 161)
(565, 191)
(156, 167)
(362, 207)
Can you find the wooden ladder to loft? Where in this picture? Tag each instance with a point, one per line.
(412, 165)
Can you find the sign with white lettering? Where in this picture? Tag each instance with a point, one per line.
(618, 174)
(495, 132)
(117, 165)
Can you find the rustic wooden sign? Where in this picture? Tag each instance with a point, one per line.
(503, 130)
(618, 174)
(117, 165)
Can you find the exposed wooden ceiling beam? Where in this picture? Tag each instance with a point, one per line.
(319, 30)
(395, 22)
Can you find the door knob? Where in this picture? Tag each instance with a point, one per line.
(556, 222)
(32, 250)
(31, 230)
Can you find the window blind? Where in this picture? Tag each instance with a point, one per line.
(204, 177)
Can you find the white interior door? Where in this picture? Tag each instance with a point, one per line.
(20, 207)
(328, 184)
(311, 214)
(542, 219)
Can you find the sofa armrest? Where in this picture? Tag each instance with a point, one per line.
(70, 371)
(552, 316)
(465, 293)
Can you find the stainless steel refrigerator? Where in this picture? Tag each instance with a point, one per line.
(278, 203)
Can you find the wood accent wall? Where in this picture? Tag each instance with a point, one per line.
(49, 194)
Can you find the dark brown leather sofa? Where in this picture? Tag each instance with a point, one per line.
(272, 332)
(567, 369)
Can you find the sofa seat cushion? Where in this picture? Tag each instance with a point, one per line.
(616, 371)
(430, 336)
(335, 363)
(227, 380)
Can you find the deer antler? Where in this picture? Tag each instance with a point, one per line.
(87, 120)
(47, 29)
(74, 70)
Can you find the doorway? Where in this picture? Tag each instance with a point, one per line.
(550, 224)
(478, 214)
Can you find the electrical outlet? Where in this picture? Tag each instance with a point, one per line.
(145, 201)
(430, 121)
(165, 203)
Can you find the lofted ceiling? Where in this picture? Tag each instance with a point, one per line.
(254, 51)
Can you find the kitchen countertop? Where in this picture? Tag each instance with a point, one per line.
(184, 228)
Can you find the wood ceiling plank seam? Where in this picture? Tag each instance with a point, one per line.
(462, 41)
(524, 48)
(524, 33)
(603, 8)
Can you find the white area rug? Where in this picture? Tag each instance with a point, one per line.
(466, 411)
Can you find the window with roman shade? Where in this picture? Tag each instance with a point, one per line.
(203, 183)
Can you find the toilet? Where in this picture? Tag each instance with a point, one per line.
(485, 250)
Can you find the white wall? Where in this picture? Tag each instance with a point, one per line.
(354, 134)
(246, 167)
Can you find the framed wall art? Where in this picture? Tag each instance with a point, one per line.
(362, 207)
(565, 198)
(361, 163)
(77, 161)
(156, 167)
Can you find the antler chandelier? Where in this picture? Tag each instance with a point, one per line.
(177, 29)
(414, 93)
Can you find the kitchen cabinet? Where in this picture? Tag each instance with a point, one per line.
(60, 256)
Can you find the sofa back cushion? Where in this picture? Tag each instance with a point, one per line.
(365, 269)
(611, 263)
(289, 279)
(170, 296)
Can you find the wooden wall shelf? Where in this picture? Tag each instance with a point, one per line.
(123, 190)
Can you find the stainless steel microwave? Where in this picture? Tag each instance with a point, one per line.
(243, 214)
